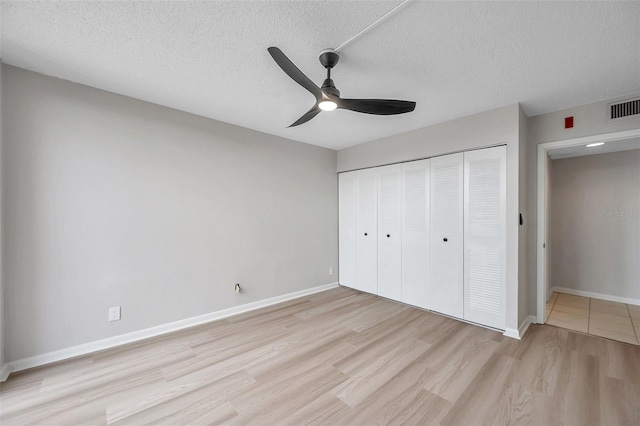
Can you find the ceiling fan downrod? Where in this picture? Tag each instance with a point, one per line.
(329, 58)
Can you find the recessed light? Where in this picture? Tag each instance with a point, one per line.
(591, 145)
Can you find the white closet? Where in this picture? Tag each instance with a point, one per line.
(367, 230)
(389, 232)
(415, 233)
(446, 282)
(430, 233)
(485, 236)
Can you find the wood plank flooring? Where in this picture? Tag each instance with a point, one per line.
(340, 357)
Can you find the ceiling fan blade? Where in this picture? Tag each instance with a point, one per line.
(307, 116)
(377, 106)
(293, 72)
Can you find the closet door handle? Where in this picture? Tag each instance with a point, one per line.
(445, 240)
(388, 235)
(365, 234)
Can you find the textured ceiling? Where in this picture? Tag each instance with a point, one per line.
(452, 58)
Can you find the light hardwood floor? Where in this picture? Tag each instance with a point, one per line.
(338, 357)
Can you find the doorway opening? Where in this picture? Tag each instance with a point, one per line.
(588, 238)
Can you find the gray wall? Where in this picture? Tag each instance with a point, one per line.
(2, 319)
(523, 267)
(498, 126)
(495, 127)
(595, 241)
(113, 201)
(590, 119)
(548, 251)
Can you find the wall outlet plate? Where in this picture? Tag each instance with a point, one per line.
(114, 313)
(331, 270)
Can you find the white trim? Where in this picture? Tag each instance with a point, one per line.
(542, 172)
(540, 243)
(530, 319)
(99, 345)
(4, 372)
(605, 137)
(512, 332)
(610, 298)
(520, 332)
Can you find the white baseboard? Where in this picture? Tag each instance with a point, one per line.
(99, 345)
(511, 332)
(4, 372)
(627, 300)
(531, 319)
(549, 293)
(520, 332)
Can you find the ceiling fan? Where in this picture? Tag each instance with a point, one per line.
(328, 96)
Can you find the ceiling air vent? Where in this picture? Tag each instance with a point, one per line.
(624, 109)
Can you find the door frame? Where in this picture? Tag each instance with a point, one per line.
(542, 226)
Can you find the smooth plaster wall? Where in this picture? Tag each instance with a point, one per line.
(496, 127)
(113, 201)
(2, 319)
(595, 224)
(548, 250)
(590, 119)
(523, 267)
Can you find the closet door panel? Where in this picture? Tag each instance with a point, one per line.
(446, 205)
(485, 236)
(415, 232)
(367, 230)
(389, 232)
(347, 229)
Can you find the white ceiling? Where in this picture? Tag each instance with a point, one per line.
(452, 58)
(582, 150)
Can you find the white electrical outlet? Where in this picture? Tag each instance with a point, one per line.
(331, 270)
(114, 313)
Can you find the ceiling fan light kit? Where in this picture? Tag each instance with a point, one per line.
(328, 96)
(327, 105)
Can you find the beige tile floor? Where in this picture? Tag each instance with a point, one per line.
(616, 321)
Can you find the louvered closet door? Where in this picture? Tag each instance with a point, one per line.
(485, 236)
(446, 280)
(367, 230)
(389, 232)
(347, 228)
(415, 232)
